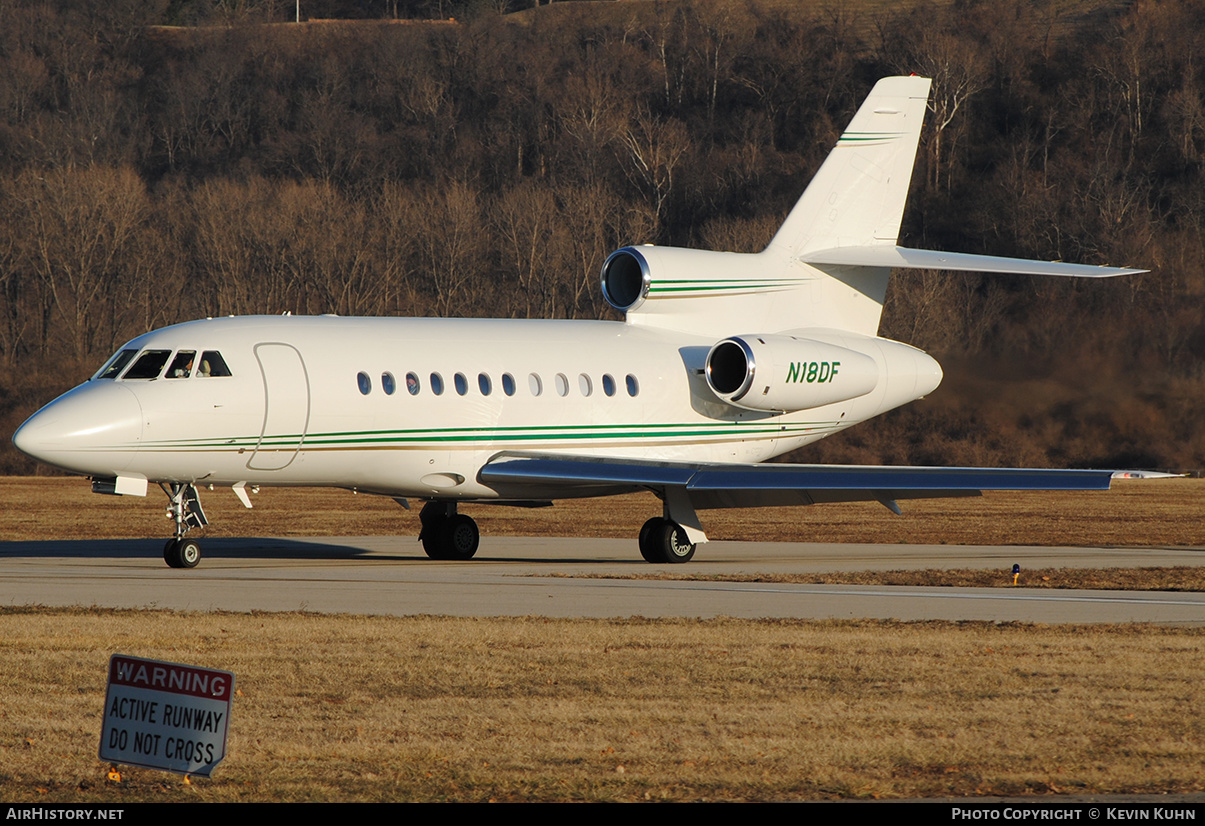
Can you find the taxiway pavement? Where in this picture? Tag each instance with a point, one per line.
(557, 577)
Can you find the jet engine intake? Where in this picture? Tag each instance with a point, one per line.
(784, 373)
(626, 278)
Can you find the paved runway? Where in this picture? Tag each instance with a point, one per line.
(572, 578)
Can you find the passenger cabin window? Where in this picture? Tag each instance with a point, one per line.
(462, 384)
(149, 365)
(364, 382)
(585, 385)
(537, 386)
(633, 385)
(508, 384)
(437, 384)
(562, 385)
(182, 365)
(412, 386)
(212, 364)
(388, 383)
(484, 383)
(608, 384)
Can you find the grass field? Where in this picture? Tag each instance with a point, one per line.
(424, 708)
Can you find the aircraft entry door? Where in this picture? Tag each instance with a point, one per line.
(286, 406)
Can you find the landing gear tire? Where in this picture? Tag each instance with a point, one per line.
(460, 537)
(432, 547)
(673, 542)
(448, 536)
(648, 548)
(182, 553)
(663, 540)
(433, 518)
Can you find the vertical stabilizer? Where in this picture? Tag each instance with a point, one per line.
(851, 212)
(857, 197)
(828, 265)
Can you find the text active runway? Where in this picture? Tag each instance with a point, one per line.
(570, 578)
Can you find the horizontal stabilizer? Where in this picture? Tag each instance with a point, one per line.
(752, 485)
(910, 259)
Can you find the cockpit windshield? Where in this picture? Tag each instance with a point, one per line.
(149, 365)
(115, 365)
(182, 365)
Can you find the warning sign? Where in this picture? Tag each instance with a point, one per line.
(165, 715)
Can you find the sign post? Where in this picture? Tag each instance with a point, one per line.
(167, 716)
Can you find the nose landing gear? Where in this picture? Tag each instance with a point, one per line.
(185, 507)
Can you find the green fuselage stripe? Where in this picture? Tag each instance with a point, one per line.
(493, 435)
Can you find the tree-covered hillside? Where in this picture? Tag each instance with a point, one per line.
(151, 174)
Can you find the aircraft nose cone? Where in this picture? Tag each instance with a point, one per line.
(93, 429)
(929, 377)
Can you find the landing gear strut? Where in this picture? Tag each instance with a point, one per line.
(664, 540)
(447, 534)
(185, 507)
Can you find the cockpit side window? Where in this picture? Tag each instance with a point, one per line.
(212, 364)
(116, 364)
(149, 365)
(182, 364)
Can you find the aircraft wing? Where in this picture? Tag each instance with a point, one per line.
(718, 485)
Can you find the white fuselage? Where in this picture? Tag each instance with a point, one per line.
(306, 403)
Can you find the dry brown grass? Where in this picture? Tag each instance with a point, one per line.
(380, 708)
(1135, 513)
(1180, 578)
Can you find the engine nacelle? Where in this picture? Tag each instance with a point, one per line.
(672, 280)
(784, 373)
(626, 278)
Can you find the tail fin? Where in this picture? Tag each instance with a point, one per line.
(857, 197)
(829, 263)
(856, 200)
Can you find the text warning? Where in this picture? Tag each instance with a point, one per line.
(165, 715)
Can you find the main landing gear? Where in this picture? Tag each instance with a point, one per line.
(664, 540)
(447, 534)
(185, 507)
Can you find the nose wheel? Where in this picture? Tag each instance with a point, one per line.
(182, 553)
(184, 506)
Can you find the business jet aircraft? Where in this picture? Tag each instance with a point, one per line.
(723, 360)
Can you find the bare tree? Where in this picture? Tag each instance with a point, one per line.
(525, 218)
(450, 244)
(959, 70)
(654, 147)
(80, 226)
